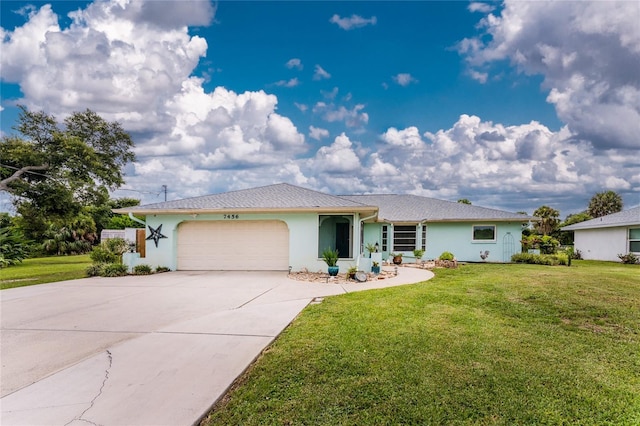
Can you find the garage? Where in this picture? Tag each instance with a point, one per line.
(233, 245)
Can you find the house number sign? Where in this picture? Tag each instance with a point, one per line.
(231, 216)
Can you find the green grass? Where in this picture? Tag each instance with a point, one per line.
(481, 345)
(44, 270)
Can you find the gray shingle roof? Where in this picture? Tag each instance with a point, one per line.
(413, 208)
(623, 218)
(278, 196)
(283, 196)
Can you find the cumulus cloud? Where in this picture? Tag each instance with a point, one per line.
(294, 63)
(339, 157)
(353, 117)
(115, 59)
(318, 133)
(480, 7)
(320, 73)
(404, 79)
(288, 83)
(355, 21)
(588, 54)
(127, 63)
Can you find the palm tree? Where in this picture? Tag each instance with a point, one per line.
(604, 203)
(548, 219)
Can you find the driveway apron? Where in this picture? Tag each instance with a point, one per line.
(143, 350)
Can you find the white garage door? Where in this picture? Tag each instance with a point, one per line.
(233, 246)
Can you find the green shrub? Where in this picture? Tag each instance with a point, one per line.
(101, 254)
(446, 255)
(142, 270)
(95, 270)
(628, 258)
(114, 270)
(116, 245)
(162, 269)
(14, 248)
(541, 259)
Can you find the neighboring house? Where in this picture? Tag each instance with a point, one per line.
(605, 237)
(283, 226)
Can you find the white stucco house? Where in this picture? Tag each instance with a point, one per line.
(604, 238)
(282, 226)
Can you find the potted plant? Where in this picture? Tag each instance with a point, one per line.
(375, 268)
(371, 248)
(330, 257)
(397, 258)
(351, 272)
(418, 254)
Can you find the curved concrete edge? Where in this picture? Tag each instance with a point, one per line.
(176, 373)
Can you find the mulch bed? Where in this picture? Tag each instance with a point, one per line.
(323, 277)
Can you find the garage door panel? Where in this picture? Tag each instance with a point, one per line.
(235, 245)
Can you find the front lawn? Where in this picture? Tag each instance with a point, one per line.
(44, 270)
(484, 345)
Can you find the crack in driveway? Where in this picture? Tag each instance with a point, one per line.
(93, 401)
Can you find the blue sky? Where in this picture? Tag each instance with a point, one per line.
(512, 105)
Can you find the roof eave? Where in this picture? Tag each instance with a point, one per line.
(189, 211)
(454, 220)
(610, 225)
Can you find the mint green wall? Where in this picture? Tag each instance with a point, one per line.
(457, 239)
(304, 243)
(303, 238)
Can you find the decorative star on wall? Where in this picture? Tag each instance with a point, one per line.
(156, 234)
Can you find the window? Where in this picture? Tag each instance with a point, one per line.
(385, 238)
(335, 232)
(634, 240)
(424, 237)
(484, 232)
(404, 238)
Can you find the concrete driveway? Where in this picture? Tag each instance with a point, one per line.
(143, 350)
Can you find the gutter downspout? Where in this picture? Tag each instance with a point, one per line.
(135, 219)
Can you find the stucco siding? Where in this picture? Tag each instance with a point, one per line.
(602, 243)
(457, 238)
(303, 237)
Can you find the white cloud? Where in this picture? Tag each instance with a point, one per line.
(288, 83)
(114, 58)
(404, 79)
(320, 73)
(480, 77)
(588, 53)
(294, 63)
(354, 117)
(318, 133)
(355, 21)
(480, 7)
(339, 157)
(138, 69)
(409, 137)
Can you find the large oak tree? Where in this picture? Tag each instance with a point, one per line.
(55, 171)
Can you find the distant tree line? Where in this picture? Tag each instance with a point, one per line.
(546, 234)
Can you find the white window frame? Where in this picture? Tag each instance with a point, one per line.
(632, 240)
(484, 225)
